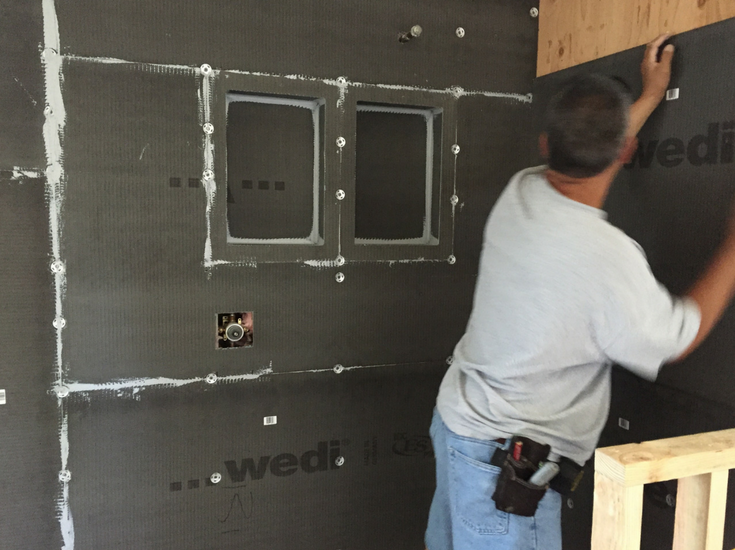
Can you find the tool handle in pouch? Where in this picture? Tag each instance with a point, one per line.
(515, 495)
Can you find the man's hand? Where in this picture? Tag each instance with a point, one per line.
(656, 74)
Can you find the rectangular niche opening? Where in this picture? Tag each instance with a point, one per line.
(397, 174)
(274, 167)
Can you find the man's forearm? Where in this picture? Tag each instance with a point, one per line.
(714, 290)
(640, 111)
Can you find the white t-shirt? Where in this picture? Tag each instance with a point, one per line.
(561, 295)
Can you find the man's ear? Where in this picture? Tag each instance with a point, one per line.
(629, 149)
(543, 145)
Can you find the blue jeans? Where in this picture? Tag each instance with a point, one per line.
(463, 514)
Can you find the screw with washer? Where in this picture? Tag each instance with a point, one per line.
(208, 128)
(340, 461)
(206, 69)
(450, 359)
(57, 267)
(454, 200)
(534, 12)
(338, 369)
(340, 261)
(341, 81)
(341, 142)
(211, 378)
(59, 322)
(61, 391)
(339, 277)
(455, 149)
(65, 476)
(460, 32)
(215, 478)
(340, 194)
(208, 175)
(452, 260)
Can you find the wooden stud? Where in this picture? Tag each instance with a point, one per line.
(616, 515)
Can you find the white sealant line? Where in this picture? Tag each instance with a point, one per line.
(21, 174)
(341, 82)
(209, 184)
(53, 129)
(164, 382)
(137, 383)
(454, 189)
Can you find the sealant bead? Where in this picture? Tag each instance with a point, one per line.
(211, 378)
(208, 175)
(57, 267)
(59, 322)
(341, 81)
(339, 277)
(454, 199)
(340, 461)
(534, 12)
(215, 478)
(340, 194)
(206, 69)
(65, 476)
(208, 128)
(61, 391)
(452, 260)
(338, 369)
(460, 32)
(340, 260)
(341, 142)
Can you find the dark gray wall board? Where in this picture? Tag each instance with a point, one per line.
(677, 213)
(21, 86)
(130, 129)
(130, 452)
(29, 454)
(355, 39)
(140, 298)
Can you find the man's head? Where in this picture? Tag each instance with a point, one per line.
(586, 125)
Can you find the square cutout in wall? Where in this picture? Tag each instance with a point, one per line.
(397, 174)
(274, 167)
(234, 330)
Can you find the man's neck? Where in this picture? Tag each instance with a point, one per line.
(590, 191)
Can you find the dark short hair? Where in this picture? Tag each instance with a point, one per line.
(586, 123)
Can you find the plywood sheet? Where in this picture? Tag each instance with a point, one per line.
(575, 31)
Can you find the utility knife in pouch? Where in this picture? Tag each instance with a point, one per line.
(513, 493)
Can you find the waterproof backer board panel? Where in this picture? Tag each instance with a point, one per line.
(141, 182)
(147, 457)
(675, 197)
(674, 203)
(29, 416)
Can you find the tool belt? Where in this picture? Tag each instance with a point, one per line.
(514, 494)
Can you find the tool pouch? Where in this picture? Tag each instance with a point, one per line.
(513, 493)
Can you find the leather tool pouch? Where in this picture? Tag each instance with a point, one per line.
(513, 493)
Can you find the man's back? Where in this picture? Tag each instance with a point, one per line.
(557, 285)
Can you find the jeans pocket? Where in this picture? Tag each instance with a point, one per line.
(473, 485)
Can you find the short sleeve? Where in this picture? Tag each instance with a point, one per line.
(644, 325)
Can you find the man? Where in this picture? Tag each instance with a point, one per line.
(561, 295)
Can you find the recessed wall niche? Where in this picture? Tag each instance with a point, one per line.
(397, 174)
(274, 167)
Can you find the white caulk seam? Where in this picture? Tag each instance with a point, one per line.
(209, 185)
(21, 174)
(454, 91)
(165, 382)
(53, 128)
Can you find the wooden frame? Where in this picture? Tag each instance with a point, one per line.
(701, 462)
